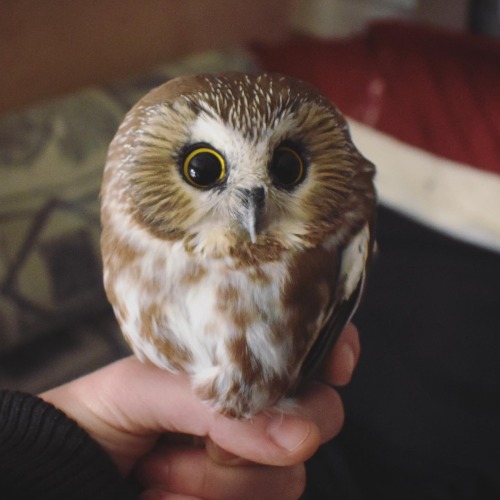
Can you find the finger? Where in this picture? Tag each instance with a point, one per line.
(311, 406)
(322, 405)
(189, 471)
(221, 456)
(344, 357)
(284, 439)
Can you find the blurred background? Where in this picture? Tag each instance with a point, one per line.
(420, 83)
(343, 17)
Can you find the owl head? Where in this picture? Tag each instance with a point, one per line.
(236, 162)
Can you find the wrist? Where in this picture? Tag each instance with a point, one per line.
(90, 402)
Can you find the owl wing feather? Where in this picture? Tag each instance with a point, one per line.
(329, 334)
(351, 280)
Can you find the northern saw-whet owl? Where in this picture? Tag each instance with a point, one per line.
(237, 227)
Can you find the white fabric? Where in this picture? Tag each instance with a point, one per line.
(457, 199)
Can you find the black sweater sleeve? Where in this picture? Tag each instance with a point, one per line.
(45, 455)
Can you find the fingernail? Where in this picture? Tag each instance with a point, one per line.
(288, 432)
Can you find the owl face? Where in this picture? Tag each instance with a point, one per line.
(234, 162)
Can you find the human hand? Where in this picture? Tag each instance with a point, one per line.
(128, 405)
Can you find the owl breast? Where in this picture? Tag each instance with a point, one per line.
(240, 330)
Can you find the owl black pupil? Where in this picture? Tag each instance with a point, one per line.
(204, 169)
(286, 168)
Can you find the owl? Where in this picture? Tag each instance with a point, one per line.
(237, 224)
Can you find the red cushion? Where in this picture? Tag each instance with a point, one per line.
(436, 90)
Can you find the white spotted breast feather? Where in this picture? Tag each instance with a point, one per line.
(237, 230)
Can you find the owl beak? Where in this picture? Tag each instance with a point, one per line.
(252, 208)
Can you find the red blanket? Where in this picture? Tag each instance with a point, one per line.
(436, 90)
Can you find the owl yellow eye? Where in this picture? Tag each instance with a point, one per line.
(287, 167)
(204, 167)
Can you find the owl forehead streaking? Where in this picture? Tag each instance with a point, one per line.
(237, 225)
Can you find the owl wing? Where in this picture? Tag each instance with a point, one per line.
(329, 334)
(354, 261)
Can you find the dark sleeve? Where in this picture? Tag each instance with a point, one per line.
(45, 455)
